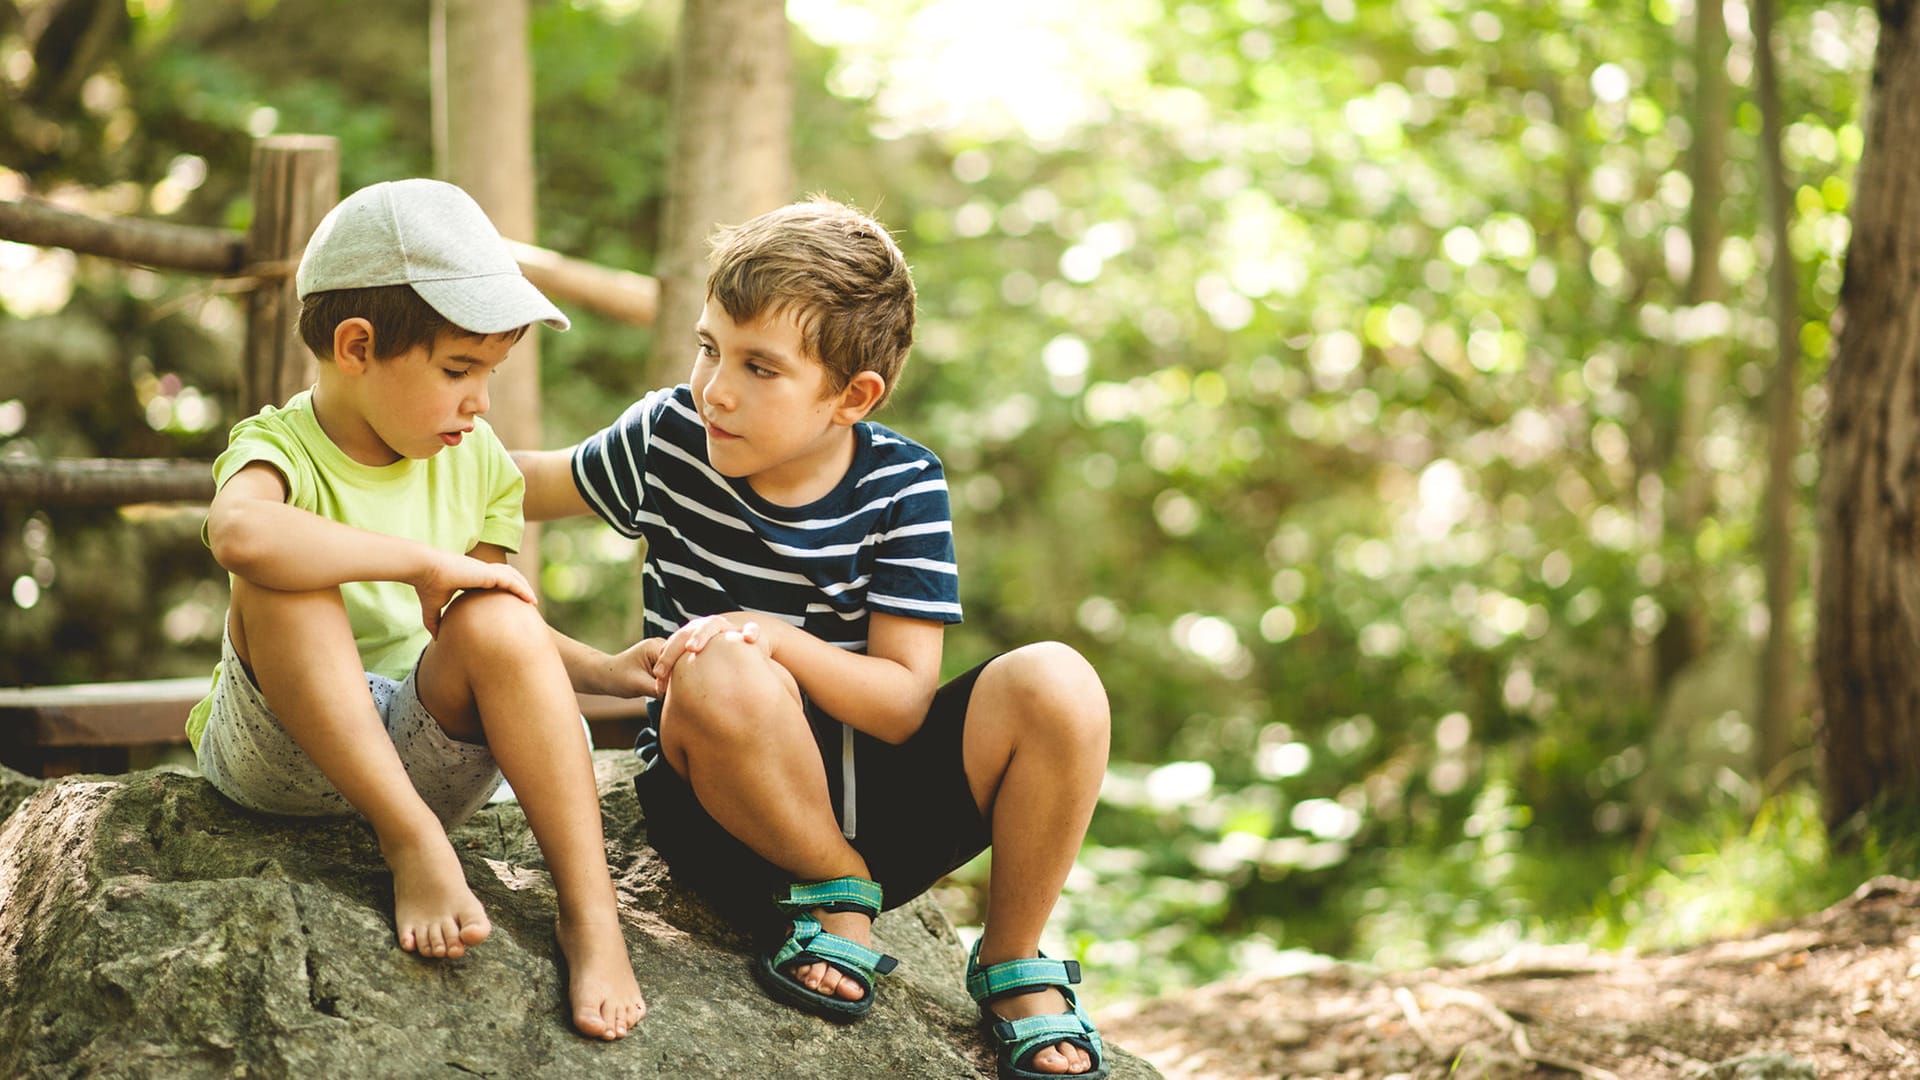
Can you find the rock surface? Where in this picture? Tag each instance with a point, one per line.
(150, 928)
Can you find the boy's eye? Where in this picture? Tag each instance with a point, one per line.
(706, 349)
(455, 373)
(761, 372)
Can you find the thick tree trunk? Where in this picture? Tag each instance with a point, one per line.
(484, 96)
(1779, 664)
(731, 159)
(1868, 651)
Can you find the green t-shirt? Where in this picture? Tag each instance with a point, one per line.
(462, 496)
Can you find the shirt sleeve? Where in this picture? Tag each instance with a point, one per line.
(609, 468)
(504, 524)
(914, 573)
(263, 438)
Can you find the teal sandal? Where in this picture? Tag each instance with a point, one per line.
(1019, 1040)
(807, 943)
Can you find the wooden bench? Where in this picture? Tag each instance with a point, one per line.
(111, 727)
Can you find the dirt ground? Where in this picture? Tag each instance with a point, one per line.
(1834, 995)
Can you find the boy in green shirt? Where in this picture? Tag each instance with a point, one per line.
(380, 656)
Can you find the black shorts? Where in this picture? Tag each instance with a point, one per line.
(914, 816)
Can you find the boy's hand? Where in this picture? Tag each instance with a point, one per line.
(450, 574)
(629, 673)
(694, 636)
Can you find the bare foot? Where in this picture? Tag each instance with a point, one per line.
(434, 913)
(1062, 1057)
(825, 979)
(606, 999)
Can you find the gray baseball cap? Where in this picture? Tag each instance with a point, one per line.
(432, 236)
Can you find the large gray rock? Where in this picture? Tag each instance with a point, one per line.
(150, 928)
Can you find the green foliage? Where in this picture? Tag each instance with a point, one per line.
(1735, 869)
(1313, 367)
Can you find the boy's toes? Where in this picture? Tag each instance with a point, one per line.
(611, 1019)
(847, 988)
(473, 930)
(623, 1015)
(588, 1021)
(828, 981)
(1062, 1058)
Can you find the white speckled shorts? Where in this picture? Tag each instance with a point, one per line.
(250, 758)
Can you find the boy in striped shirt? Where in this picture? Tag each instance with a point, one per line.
(798, 577)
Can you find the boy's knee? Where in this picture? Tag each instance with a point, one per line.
(1057, 687)
(489, 619)
(727, 692)
(1053, 670)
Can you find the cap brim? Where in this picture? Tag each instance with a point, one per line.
(490, 303)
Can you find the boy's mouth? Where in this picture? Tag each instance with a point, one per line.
(715, 431)
(451, 438)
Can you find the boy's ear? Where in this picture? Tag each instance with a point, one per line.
(353, 345)
(863, 392)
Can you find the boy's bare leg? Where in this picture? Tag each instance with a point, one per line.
(493, 672)
(300, 649)
(1035, 752)
(733, 726)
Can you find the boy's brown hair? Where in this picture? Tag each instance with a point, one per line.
(836, 271)
(400, 320)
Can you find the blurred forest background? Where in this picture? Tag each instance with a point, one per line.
(1346, 378)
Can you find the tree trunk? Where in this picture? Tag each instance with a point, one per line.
(731, 157)
(1779, 661)
(485, 100)
(1868, 626)
(1683, 636)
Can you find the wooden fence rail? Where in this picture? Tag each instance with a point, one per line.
(193, 248)
(105, 481)
(621, 295)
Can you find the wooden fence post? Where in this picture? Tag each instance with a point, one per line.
(296, 180)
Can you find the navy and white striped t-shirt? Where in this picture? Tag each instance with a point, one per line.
(881, 540)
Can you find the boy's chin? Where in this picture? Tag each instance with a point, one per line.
(732, 472)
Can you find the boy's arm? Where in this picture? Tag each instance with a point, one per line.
(627, 674)
(255, 535)
(884, 691)
(551, 492)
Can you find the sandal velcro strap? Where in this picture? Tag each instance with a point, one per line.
(1019, 976)
(1031, 1032)
(835, 894)
(1020, 1039)
(808, 942)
